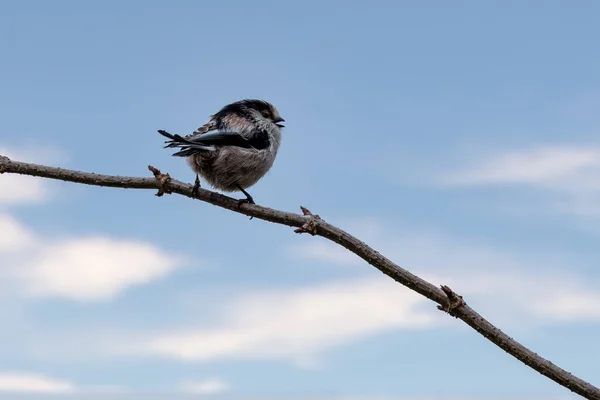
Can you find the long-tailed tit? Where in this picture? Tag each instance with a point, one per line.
(235, 149)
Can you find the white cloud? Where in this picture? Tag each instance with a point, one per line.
(208, 386)
(544, 165)
(573, 304)
(568, 175)
(93, 268)
(89, 268)
(13, 236)
(32, 383)
(18, 189)
(297, 323)
(21, 189)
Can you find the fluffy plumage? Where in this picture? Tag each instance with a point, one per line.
(236, 148)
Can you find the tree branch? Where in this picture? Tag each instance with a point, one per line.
(448, 301)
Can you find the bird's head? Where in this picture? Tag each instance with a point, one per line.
(253, 109)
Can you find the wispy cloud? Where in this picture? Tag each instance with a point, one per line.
(13, 235)
(205, 387)
(567, 174)
(15, 189)
(82, 268)
(296, 323)
(571, 304)
(93, 268)
(17, 382)
(548, 166)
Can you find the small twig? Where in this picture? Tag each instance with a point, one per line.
(445, 297)
(311, 226)
(454, 301)
(162, 179)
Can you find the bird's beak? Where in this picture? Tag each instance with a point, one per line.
(279, 120)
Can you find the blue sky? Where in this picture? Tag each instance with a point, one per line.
(460, 139)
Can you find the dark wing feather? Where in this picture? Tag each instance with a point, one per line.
(221, 138)
(191, 145)
(209, 126)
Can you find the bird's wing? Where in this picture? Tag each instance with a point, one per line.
(212, 140)
(209, 126)
(258, 139)
(220, 138)
(188, 147)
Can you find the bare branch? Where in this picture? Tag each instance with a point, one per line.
(447, 299)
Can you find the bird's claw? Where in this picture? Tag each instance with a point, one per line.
(248, 200)
(196, 187)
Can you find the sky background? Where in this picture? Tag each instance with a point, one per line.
(460, 139)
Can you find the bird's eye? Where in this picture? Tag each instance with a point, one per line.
(266, 114)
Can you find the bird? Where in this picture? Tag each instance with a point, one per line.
(235, 148)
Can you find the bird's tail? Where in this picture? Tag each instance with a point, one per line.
(188, 148)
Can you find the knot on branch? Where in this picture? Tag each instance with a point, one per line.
(163, 180)
(311, 226)
(2, 167)
(454, 301)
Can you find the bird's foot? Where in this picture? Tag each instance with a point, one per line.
(247, 200)
(196, 186)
